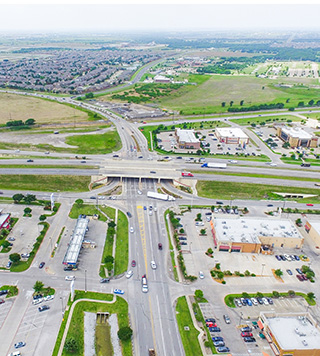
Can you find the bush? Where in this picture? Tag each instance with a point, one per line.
(276, 294)
(291, 293)
(71, 344)
(125, 333)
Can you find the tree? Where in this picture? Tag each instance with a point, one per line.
(112, 224)
(276, 294)
(108, 258)
(287, 101)
(38, 286)
(311, 295)
(71, 344)
(14, 257)
(29, 198)
(17, 197)
(30, 122)
(203, 231)
(5, 244)
(291, 293)
(241, 102)
(278, 272)
(231, 102)
(299, 222)
(79, 202)
(245, 295)
(125, 333)
(27, 210)
(311, 102)
(223, 104)
(198, 294)
(89, 95)
(42, 217)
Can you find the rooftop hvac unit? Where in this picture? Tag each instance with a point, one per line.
(282, 227)
(245, 226)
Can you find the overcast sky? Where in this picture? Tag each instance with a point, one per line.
(108, 17)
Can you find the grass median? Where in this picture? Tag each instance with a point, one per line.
(46, 183)
(247, 191)
(189, 337)
(122, 244)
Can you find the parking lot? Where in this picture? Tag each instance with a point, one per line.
(25, 231)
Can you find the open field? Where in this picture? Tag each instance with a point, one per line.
(19, 107)
(46, 183)
(229, 190)
(85, 209)
(208, 96)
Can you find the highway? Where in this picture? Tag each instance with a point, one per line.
(152, 314)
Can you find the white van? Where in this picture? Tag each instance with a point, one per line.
(16, 353)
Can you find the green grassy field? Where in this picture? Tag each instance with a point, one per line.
(51, 183)
(266, 119)
(208, 96)
(189, 337)
(122, 244)
(43, 111)
(103, 340)
(47, 166)
(85, 209)
(232, 190)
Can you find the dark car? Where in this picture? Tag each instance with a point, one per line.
(44, 307)
(37, 296)
(278, 257)
(223, 349)
(133, 263)
(297, 258)
(129, 214)
(105, 280)
(219, 202)
(215, 329)
(299, 276)
(304, 277)
(83, 162)
(246, 334)
(217, 338)
(260, 301)
(289, 272)
(210, 320)
(92, 197)
(249, 339)
(270, 301)
(41, 265)
(153, 172)
(2, 301)
(4, 291)
(30, 160)
(182, 238)
(68, 268)
(183, 243)
(19, 344)
(299, 270)
(159, 246)
(282, 258)
(269, 205)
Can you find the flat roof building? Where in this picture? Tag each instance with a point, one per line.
(313, 229)
(187, 139)
(296, 334)
(75, 244)
(296, 136)
(249, 234)
(233, 135)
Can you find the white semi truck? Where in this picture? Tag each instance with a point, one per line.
(160, 196)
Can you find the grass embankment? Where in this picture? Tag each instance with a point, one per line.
(232, 190)
(47, 166)
(265, 119)
(122, 244)
(85, 209)
(173, 262)
(298, 161)
(85, 144)
(103, 340)
(45, 182)
(76, 329)
(189, 337)
(256, 175)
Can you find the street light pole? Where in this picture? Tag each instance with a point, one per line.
(62, 306)
(263, 264)
(241, 315)
(85, 280)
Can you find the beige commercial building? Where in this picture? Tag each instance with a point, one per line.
(297, 137)
(232, 135)
(187, 139)
(291, 334)
(313, 229)
(249, 234)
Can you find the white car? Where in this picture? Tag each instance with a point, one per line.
(287, 257)
(129, 274)
(139, 192)
(254, 301)
(265, 301)
(233, 161)
(199, 223)
(37, 301)
(48, 297)
(201, 275)
(131, 229)
(153, 265)
(70, 278)
(150, 212)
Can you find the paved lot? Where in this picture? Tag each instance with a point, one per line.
(5, 309)
(25, 231)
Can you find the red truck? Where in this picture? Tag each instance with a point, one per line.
(186, 174)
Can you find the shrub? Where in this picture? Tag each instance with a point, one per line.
(276, 294)
(125, 333)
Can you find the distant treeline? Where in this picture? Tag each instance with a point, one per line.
(257, 107)
(40, 49)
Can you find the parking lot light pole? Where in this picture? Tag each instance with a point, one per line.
(241, 315)
(62, 307)
(263, 264)
(85, 280)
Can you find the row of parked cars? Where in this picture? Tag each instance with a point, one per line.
(253, 301)
(218, 341)
(287, 257)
